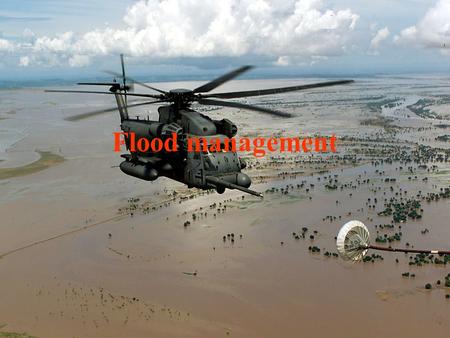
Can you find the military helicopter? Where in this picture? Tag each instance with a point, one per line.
(204, 169)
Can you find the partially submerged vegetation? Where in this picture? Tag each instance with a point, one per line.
(5, 334)
(377, 106)
(15, 335)
(443, 138)
(378, 121)
(421, 109)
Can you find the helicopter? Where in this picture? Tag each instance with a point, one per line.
(205, 170)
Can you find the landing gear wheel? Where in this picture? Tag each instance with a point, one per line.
(220, 190)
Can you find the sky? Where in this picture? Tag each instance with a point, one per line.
(187, 38)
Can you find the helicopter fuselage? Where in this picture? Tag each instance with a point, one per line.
(202, 168)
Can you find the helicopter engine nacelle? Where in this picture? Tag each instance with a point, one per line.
(164, 130)
(151, 129)
(142, 171)
(171, 128)
(226, 127)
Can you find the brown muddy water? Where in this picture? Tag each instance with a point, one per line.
(72, 265)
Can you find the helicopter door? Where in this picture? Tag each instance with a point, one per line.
(194, 172)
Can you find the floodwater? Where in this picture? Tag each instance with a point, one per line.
(117, 275)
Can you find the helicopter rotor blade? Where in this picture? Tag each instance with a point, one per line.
(210, 102)
(83, 116)
(233, 95)
(97, 92)
(222, 79)
(135, 81)
(124, 78)
(122, 63)
(97, 83)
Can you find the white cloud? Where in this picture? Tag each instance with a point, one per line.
(6, 46)
(24, 61)
(380, 36)
(61, 43)
(432, 31)
(287, 30)
(79, 61)
(283, 61)
(28, 34)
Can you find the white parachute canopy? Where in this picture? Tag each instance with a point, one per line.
(353, 241)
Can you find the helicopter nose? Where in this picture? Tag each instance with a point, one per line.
(243, 180)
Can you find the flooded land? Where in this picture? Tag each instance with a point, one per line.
(86, 251)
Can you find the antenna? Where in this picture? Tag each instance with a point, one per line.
(353, 243)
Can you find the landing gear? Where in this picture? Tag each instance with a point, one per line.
(220, 190)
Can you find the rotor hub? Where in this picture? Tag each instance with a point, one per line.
(181, 91)
(180, 96)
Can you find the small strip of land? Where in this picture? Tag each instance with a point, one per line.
(47, 159)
